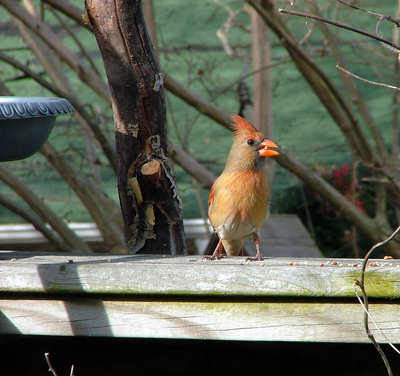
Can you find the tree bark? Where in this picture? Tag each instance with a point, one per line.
(262, 87)
(151, 207)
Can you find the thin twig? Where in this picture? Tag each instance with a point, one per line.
(358, 8)
(51, 369)
(367, 256)
(367, 81)
(371, 337)
(233, 83)
(72, 35)
(361, 285)
(379, 34)
(373, 320)
(396, 21)
(343, 26)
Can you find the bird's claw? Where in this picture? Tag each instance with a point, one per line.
(255, 258)
(213, 257)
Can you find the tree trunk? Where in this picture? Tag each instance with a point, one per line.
(262, 87)
(149, 200)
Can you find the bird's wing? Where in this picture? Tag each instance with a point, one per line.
(211, 196)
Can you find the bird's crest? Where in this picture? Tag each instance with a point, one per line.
(242, 126)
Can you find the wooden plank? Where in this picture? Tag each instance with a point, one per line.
(254, 321)
(193, 276)
(278, 299)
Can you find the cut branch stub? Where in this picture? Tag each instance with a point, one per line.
(148, 178)
(152, 171)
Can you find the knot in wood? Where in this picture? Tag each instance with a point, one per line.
(151, 171)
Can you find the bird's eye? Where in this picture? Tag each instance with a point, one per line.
(250, 142)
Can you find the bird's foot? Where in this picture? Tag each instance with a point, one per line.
(258, 257)
(213, 257)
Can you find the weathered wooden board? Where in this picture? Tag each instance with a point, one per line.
(278, 299)
(193, 276)
(224, 320)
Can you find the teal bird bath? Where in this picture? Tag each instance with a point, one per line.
(26, 123)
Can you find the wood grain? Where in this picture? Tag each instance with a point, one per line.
(278, 299)
(261, 321)
(193, 276)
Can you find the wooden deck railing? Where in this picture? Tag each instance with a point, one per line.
(278, 299)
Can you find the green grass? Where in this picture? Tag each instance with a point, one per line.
(302, 126)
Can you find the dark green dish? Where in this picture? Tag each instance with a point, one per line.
(26, 123)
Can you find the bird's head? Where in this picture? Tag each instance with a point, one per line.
(249, 146)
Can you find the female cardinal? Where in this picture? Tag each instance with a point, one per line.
(238, 201)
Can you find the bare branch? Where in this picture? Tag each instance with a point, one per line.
(327, 92)
(367, 81)
(70, 10)
(104, 211)
(341, 25)
(90, 78)
(41, 208)
(190, 165)
(374, 321)
(51, 369)
(76, 40)
(351, 89)
(381, 18)
(37, 222)
(389, 18)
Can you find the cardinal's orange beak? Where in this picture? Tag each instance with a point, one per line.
(267, 149)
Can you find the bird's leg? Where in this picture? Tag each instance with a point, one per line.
(217, 254)
(258, 256)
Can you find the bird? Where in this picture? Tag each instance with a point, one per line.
(238, 202)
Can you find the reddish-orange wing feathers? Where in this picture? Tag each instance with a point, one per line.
(211, 195)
